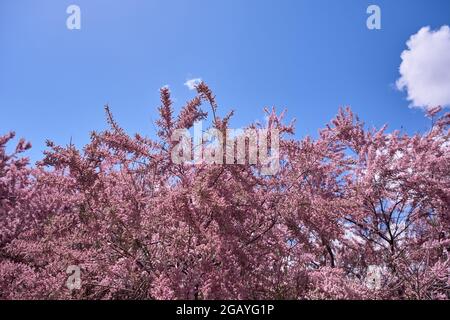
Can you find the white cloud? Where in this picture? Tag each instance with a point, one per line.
(191, 83)
(425, 68)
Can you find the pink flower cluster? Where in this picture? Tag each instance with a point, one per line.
(353, 214)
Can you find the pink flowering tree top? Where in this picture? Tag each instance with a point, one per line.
(353, 214)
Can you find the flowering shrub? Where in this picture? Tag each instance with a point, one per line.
(353, 214)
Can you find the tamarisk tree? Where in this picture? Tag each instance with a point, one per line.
(353, 214)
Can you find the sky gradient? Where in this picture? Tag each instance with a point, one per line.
(310, 57)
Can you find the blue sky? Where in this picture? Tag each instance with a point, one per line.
(307, 56)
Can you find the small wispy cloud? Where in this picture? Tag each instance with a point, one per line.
(191, 83)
